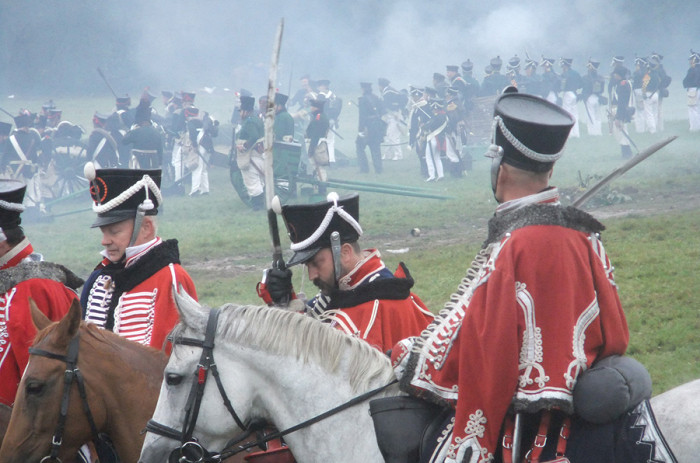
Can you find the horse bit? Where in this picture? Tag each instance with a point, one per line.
(72, 373)
(190, 450)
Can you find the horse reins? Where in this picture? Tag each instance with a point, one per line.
(194, 400)
(71, 374)
(206, 364)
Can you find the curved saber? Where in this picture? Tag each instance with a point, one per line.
(621, 170)
(277, 260)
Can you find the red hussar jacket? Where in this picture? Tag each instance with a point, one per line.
(538, 306)
(22, 278)
(374, 305)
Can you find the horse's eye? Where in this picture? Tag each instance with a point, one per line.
(173, 379)
(34, 387)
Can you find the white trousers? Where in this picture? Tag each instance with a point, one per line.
(393, 136)
(651, 111)
(433, 161)
(693, 109)
(569, 103)
(330, 141)
(594, 122)
(253, 175)
(640, 122)
(200, 175)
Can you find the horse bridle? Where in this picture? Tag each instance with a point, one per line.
(72, 374)
(190, 450)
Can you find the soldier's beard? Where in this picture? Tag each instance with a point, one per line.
(324, 286)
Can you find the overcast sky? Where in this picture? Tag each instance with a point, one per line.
(54, 47)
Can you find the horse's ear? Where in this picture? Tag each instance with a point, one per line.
(190, 311)
(68, 326)
(40, 320)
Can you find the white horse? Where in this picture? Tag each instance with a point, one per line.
(282, 367)
(285, 368)
(678, 413)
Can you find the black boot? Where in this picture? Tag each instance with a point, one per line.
(258, 202)
(626, 151)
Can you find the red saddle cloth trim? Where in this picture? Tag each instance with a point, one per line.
(276, 452)
(535, 452)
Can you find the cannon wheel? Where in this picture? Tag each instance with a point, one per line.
(69, 160)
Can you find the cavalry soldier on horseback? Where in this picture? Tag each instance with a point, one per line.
(130, 292)
(358, 294)
(537, 309)
(24, 275)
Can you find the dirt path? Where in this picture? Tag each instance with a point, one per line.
(643, 205)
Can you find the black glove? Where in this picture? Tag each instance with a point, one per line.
(279, 285)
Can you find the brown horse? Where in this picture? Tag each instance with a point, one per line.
(122, 381)
(5, 413)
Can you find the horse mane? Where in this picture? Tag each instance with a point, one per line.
(283, 332)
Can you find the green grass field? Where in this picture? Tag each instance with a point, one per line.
(651, 214)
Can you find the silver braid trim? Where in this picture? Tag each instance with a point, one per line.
(518, 145)
(458, 301)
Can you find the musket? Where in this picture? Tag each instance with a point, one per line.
(336, 133)
(272, 206)
(611, 122)
(106, 82)
(578, 202)
(1, 109)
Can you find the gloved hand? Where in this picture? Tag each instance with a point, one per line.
(279, 285)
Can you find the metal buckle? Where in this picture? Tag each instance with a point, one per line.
(191, 452)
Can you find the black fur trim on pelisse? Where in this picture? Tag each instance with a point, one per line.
(126, 279)
(542, 214)
(382, 288)
(11, 277)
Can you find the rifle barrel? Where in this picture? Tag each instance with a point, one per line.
(380, 185)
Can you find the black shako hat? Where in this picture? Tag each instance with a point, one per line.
(281, 99)
(11, 197)
(5, 129)
(123, 102)
(531, 131)
(118, 193)
(247, 103)
(309, 226)
(143, 111)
